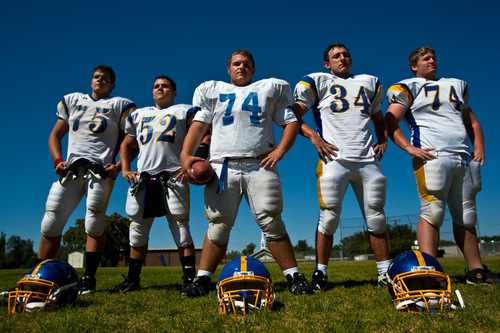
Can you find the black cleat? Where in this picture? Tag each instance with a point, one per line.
(319, 281)
(298, 284)
(125, 286)
(199, 287)
(477, 276)
(87, 285)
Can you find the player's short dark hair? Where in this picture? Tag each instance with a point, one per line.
(332, 46)
(106, 69)
(164, 77)
(418, 53)
(242, 52)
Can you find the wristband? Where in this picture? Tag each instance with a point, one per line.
(59, 160)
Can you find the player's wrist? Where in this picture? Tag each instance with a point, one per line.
(57, 161)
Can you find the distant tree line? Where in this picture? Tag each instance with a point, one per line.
(18, 253)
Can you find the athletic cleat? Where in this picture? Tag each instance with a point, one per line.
(478, 276)
(199, 287)
(298, 284)
(87, 285)
(319, 281)
(186, 282)
(125, 286)
(383, 280)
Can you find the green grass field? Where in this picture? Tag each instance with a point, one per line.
(352, 303)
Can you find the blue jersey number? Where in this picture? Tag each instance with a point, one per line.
(250, 104)
(98, 122)
(341, 104)
(168, 134)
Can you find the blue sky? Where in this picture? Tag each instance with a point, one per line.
(49, 50)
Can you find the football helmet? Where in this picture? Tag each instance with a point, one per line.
(244, 285)
(418, 283)
(49, 284)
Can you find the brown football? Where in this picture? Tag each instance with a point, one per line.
(202, 172)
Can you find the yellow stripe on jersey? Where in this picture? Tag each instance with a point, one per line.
(38, 266)
(404, 90)
(243, 263)
(420, 258)
(308, 85)
(319, 173)
(423, 191)
(61, 104)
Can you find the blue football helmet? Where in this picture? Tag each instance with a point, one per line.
(418, 283)
(49, 284)
(244, 285)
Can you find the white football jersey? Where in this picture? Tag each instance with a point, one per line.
(342, 110)
(434, 112)
(242, 117)
(160, 135)
(94, 126)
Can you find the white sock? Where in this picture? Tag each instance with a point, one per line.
(290, 271)
(205, 273)
(383, 266)
(321, 267)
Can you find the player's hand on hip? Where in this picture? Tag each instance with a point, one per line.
(130, 176)
(112, 170)
(178, 176)
(422, 153)
(478, 156)
(271, 159)
(59, 169)
(379, 149)
(325, 150)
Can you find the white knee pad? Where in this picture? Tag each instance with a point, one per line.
(470, 214)
(376, 223)
(52, 226)
(432, 212)
(218, 233)
(139, 232)
(94, 223)
(273, 227)
(328, 221)
(180, 233)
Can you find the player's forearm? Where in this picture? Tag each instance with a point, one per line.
(289, 136)
(196, 133)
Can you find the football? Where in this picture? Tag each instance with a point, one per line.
(202, 172)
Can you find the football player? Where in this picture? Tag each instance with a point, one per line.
(95, 123)
(157, 188)
(439, 117)
(244, 155)
(344, 107)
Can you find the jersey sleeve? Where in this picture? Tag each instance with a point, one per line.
(400, 93)
(67, 104)
(306, 92)
(127, 106)
(378, 98)
(284, 116)
(284, 94)
(201, 105)
(130, 123)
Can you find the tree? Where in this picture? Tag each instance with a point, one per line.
(19, 253)
(232, 254)
(3, 243)
(249, 249)
(302, 249)
(117, 242)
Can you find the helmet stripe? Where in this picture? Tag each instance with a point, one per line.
(420, 258)
(243, 263)
(39, 265)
